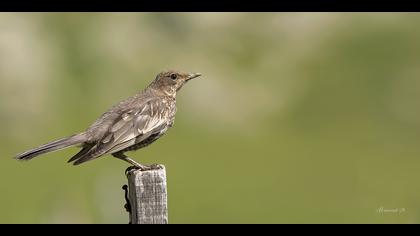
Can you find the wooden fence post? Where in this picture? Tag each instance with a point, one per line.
(147, 195)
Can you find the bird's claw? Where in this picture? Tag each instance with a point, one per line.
(130, 168)
(156, 167)
(144, 168)
(150, 167)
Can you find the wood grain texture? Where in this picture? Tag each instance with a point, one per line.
(148, 196)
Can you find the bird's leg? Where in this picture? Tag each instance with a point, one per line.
(123, 157)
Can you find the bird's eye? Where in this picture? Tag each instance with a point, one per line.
(174, 76)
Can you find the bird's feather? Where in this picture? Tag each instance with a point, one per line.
(132, 126)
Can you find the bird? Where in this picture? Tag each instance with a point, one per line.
(129, 125)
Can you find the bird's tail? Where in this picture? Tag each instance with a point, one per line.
(53, 146)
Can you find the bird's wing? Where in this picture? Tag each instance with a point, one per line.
(131, 127)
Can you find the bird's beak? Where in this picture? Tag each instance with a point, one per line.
(192, 76)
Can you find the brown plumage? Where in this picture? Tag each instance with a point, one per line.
(129, 125)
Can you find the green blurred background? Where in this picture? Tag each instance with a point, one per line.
(298, 117)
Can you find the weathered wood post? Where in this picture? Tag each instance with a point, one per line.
(147, 196)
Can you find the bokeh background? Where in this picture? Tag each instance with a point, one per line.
(298, 117)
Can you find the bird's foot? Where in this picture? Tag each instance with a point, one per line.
(150, 167)
(130, 168)
(156, 167)
(143, 167)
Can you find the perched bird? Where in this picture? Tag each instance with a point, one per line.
(129, 125)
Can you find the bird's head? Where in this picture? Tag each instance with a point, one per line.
(169, 82)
